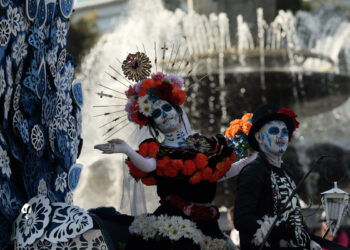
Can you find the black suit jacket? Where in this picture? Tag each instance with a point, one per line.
(254, 201)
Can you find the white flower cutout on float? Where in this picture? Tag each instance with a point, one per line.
(61, 182)
(16, 97)
(69, 198)
(61, 32)
(42, 188)
(67, 222)
(32, 221)
(17, 117)
(7, 102)
(5, 32)
(19, 50)
(61, 60)
(72, 130)
(4, 163)
(61, 120)
(37, 138)
(18, 78)
(13, 18)
(52, 135)
(145, 105)
(74, 148)
(51, 57)
(9, 71)
(2, 81)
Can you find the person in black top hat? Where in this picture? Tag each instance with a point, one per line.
(265, 184)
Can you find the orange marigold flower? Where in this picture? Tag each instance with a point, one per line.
(171, 172)
(215, 177)
(163, 163)
(148, 83)
(149, 180)
(177, 164)
(232, 130)
(220, 166)
(206, 173)
(246, 127)
(247, 116)
(143, 149)
(153, 149)
(189, 167)
(196, 178)
(201, 160)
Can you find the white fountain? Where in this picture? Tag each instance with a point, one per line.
(300, 46)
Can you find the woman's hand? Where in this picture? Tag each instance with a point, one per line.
(113, 146)
(119, 146)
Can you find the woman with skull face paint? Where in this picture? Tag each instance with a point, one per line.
(185, 168)
(265, 184)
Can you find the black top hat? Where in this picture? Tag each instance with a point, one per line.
(264, 114)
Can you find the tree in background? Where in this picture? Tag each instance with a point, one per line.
(82, 36)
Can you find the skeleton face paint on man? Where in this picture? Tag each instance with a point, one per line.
(165, 116)
(273, 138)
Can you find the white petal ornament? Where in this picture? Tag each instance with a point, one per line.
(32, 221)
(4, 163)
(37, 138)
(67, 222)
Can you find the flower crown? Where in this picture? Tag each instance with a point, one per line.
(142, 88)
(143, 94)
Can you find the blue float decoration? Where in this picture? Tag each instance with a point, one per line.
(66, 7)
(4, 3)
(41, 13)
(31, 9)
(78, 92)
(40, 124)
(41, 86)
(50, 12)
(74, 176)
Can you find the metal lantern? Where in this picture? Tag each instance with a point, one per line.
(335, 202)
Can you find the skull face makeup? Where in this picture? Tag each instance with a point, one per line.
(165, 116)
(273, 138)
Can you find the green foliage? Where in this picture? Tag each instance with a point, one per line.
(82, 36)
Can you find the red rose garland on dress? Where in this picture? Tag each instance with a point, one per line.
(195, 170)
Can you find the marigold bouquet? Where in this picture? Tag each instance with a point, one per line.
(237, 134)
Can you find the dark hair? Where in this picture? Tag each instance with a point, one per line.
(153, 128)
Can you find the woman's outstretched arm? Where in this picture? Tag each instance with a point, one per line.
(119, 146)
(237, 166)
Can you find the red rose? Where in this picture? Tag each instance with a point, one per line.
(164, 91)
(291, 114)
